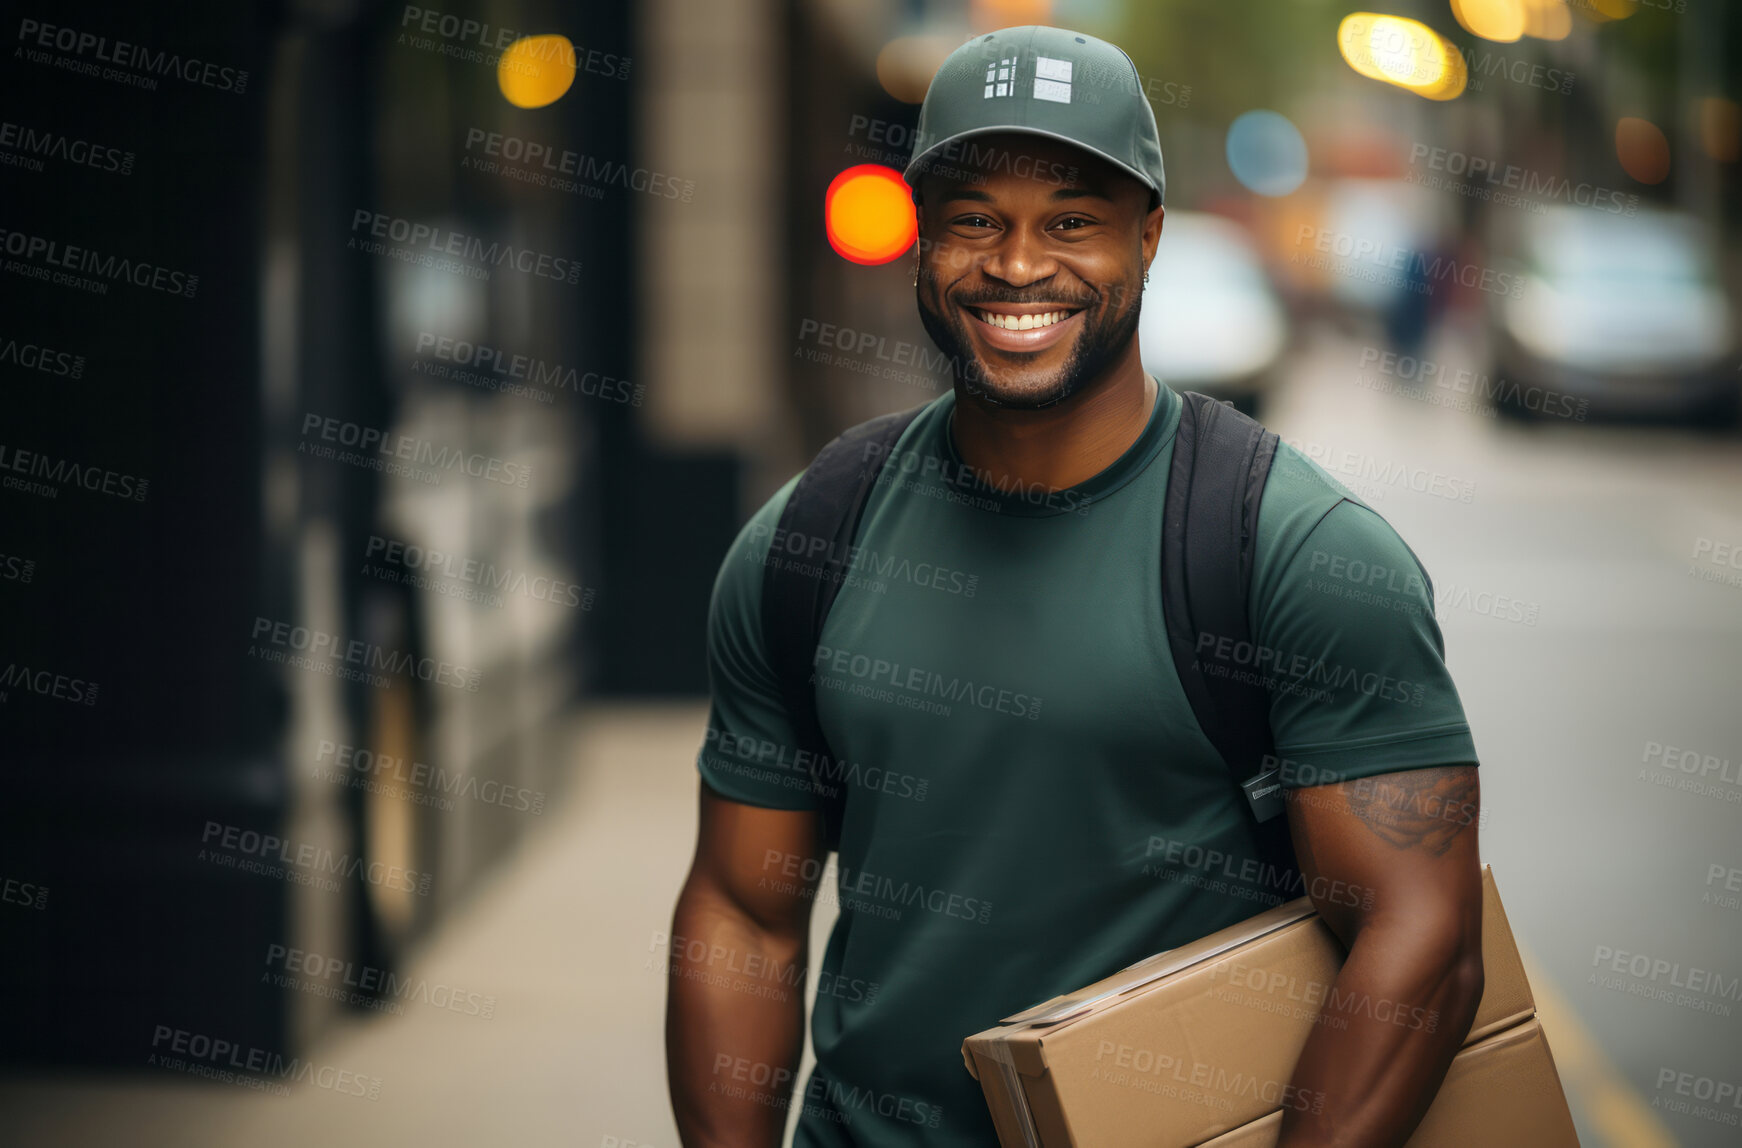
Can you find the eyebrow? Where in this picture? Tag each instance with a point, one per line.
(963, 192)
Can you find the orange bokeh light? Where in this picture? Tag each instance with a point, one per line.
(869, 215)
(906, 65)
(535, 71)
(1642, 149)
(1721, 128)
(991, 15)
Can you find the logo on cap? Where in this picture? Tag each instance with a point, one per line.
(998, 81)
(1052, 79)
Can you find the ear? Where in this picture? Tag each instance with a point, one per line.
(1152, 234)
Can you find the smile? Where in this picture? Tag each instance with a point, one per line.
(1026, 331)
(1008, 322)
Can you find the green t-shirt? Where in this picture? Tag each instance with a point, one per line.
(1032, 805)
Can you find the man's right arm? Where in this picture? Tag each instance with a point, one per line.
(734, 1023)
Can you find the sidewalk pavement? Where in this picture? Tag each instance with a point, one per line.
(563, 935)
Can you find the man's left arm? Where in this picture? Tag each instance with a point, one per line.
(1380, 776)
(1390, 864)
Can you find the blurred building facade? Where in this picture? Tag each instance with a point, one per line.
(324, 653)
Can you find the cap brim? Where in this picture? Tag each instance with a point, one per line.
(918, 163)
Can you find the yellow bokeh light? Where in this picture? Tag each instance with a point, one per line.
(1405, 53)
(1547, 19)
(868, 213)
(535, 71)
(1499, 20)
(1401, 60)
(1602, 10)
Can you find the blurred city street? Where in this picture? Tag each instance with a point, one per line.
(385, 386)
(1615, 649)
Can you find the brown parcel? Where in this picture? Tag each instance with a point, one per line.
(1499, 1092)
(1201, 1040)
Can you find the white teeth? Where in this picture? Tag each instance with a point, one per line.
(1023, 322)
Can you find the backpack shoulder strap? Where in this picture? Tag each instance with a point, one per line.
(814, 540)
(1221, 459)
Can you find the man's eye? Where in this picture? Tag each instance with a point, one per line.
(974, 221)
(1068, 220)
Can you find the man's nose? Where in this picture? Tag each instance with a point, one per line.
(1020, 259)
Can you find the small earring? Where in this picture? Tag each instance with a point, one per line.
(1146, 276)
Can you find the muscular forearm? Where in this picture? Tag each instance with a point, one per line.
(734, 1026)
(1388, 1029)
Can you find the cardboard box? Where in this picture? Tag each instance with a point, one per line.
(1501, 1091)
(1196, 1045)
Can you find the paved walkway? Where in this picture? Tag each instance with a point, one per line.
(561, 936)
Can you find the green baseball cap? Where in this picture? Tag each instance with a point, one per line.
(1046, 82)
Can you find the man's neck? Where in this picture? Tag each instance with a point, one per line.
(1060, 446)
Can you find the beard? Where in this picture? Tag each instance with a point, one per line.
(1103, 339)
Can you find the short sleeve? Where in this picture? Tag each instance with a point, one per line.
(748, 752)
(1358, 680)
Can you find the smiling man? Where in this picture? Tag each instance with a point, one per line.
(1015, 779)
(1035, 349)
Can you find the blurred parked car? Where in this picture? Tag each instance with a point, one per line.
(1211, 321)
(1623, 315)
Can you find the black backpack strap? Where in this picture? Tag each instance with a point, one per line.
(1221, 459)
(809, 558)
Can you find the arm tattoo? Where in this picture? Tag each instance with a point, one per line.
(1424, 807)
